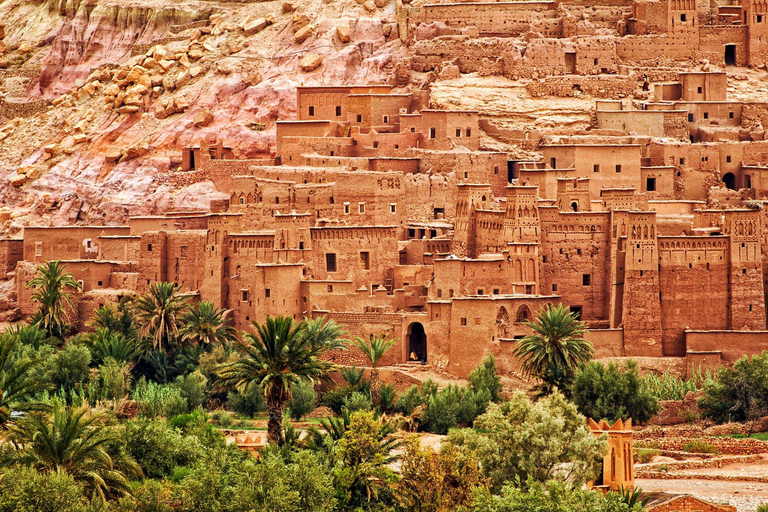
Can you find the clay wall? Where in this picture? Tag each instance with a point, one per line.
(265, 289)
(714, 39)
(380, 112)
(701, 86)
(504, 19)
(575, 259)
(11, 252)
(694, 280)
(364, 255)
(606, 342)
(65, 243)
(140, 225)
(468, 53)
(711, 113)
(660, 179)
(498, 275)
(369, 324)
(119, 248)
(654, 123)
(318, 128)
(689, 504)
(445, 129)
(606, 166)
(732, 345)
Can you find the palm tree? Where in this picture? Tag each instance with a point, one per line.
(104, 343)
(77, 441)
(50, 286)
(555, 349)
(206, 324)
(374, 349)
(17, 384)
(278, 356)
(159, 312)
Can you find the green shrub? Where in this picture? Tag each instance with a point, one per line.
(68, 369)
(762, 508)
(612, 392)
(699, 447)
(484, 378)
(222, 419)
(248, 403)
(334, 399)
(409, 401)
(152, 496)
(23, 489)
(158, 399)
(303, 400)
(388, 398)
(453, 406)
(645, 455)
(111, 382)
(358, 402)
(192, 387)
(159, 449)
(739, 393)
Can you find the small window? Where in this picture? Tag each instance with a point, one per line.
(267, 293)
(690, 118)
(312, 111)
(439, 293)
(683, 17)
(730, 115)
(495, 291)
(698, 90)
(554, 287)
(365, 260)
(586, 279)
(149, 247)
(331, 199)
(361, 207)
(301, 246)
(386, 119)
(242, 200)
(728, 158)
(743, 271)
(277, 200)
(618, 168)
(681, 161)
(596, 168)
(346, 208)
(101, 283)
(375, 144)
(338, 111)
(330, 288)
(243, 295)
(480, 291)
(496, 170)
(706, 115)
(392, 208)
(330, 262)
(184, 252)
(759, 20)
(413, 129)
(553, 163)
(432, 133)
(463, 321)
(650, 184)
(359, 118)
(469, 132)
(458, 132)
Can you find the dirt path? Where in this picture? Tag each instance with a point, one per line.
(745, 496)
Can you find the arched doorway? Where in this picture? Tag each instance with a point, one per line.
(575, 206)
(417, 342)
(730, 181)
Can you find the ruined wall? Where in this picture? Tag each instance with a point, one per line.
(11, 252)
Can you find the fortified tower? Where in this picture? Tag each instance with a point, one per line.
(521, 220)
(747, 301)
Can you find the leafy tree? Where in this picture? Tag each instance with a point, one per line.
(374, 349)
(30, 335)
(53, 299)
(160, 312)
(159, 449)
(484, 377)
(112, 381)
(552, 497)
(555, 349)
(407, 402)
(739, 393)
(519, 440)
(23, 489)
(205, 324)
(69, 369)
(279, 356)
(453, 406)
(436, 482)
(303, 400)
(17, 380)
(192, 388)
(248, 402)
(612, 392)
(364, 452)
(78, 442)
(357, 402)
(121, 320)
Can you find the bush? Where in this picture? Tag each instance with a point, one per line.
(23, 489)
(358, 402)
(388, 398)
(159, 399)
(192, 387)
(740, 393)
(69, 369)
(152, 496)
(303, 400)
(111, 382)
(159, 449)
(334, 399)
(699, 447)
(611, 393)
(484, 378)
(453, 406)
(762, 508)
(645, 455)
(409, 401)
(248, 403)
